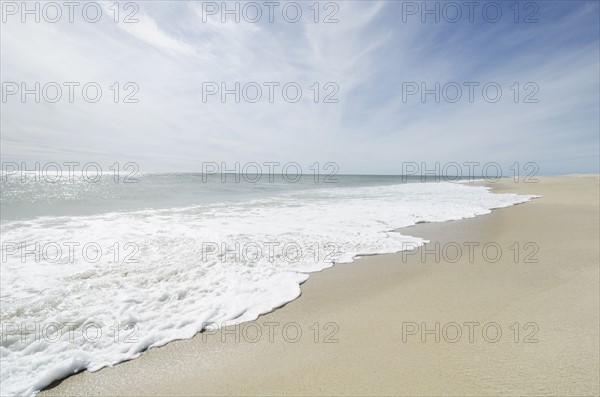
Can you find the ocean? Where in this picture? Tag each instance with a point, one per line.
(95, 273)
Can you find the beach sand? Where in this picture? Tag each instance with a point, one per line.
(372, 311)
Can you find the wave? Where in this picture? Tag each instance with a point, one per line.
(141, 279)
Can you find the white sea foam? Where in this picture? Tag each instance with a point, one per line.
(173, 291)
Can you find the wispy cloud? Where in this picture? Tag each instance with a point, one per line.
(369, 53)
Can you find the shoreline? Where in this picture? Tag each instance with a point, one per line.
(365, 340)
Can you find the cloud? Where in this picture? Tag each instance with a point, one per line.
(171, 53)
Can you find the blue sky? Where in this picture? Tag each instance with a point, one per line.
(372, 53)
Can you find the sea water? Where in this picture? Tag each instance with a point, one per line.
(93, 274)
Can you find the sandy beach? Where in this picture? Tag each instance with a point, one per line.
(510, 306)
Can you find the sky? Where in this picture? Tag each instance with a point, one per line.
(371, 62)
